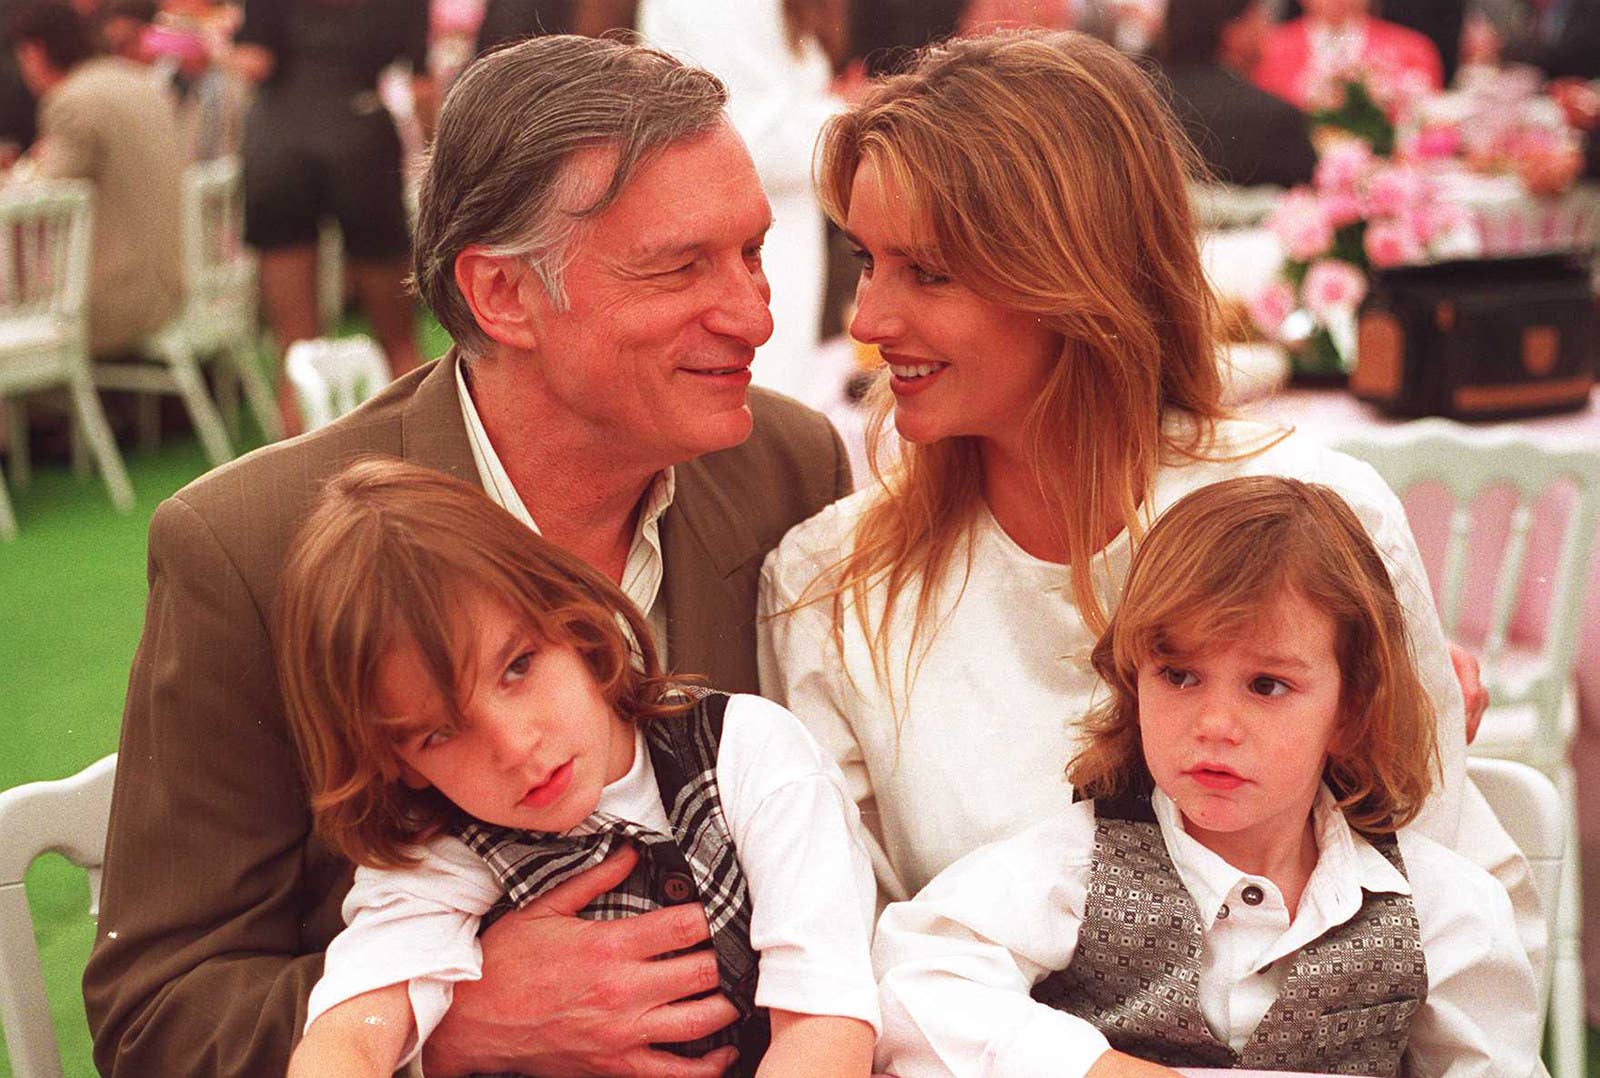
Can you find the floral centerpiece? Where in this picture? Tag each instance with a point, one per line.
(1361, 212)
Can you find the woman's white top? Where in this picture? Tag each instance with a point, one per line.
(798, 841)
(956, 964)
(976, 751)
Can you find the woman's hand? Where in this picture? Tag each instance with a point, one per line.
(1473, 694)
(564, 996)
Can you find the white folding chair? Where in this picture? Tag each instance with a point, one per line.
(45, 233)
(1533, 711)
(332, 375)
(1529, 808)
(217, 320)
(68, 816)
(220, 315)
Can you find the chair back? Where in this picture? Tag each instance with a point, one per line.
(216, 263)
(68, 816)
(1529, 808)
(45, 251)
(1469, 462)
(332, 375)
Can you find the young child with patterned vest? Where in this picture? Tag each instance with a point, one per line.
(1238, 888)
(482, 717)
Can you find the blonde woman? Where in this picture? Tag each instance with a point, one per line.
(1029, 272)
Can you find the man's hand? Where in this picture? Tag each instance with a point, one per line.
(1476, 697)
(561, 996)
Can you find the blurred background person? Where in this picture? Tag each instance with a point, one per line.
(106, 120)
(319, 143)
(1335, 35)
(513, 20)
(776, 58)
(1246, 135)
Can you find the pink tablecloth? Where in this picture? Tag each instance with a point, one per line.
(1328, 414)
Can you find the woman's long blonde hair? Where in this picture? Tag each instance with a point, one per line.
(1047, 175)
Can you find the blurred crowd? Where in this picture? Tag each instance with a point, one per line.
(329, 102)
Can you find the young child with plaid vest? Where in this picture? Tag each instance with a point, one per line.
(1237, 887)
(483, 717)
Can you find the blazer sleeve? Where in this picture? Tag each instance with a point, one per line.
(208, 942)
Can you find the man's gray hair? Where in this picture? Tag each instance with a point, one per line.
(498, 173)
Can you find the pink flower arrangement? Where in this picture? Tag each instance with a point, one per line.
(1362, 211)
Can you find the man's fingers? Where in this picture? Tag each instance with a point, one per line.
(571, 896)
(659, 932)
(654, 1063)
(687, 1019)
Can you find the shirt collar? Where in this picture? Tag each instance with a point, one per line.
(1347, 864)
(498, 485)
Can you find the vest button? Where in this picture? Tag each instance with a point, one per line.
(677, 888)
(1222, 912)
(1252, 895)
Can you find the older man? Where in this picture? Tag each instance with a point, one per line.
(590, 235)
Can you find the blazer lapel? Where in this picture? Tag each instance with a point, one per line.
(433, 432)
(712, 562)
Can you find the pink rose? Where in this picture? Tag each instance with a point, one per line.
(1301, 225)
(1341, 208)
(1343, 165)
(1433, 219)
(1435, 142)
(1395, 189)
(1333, 285)
(1269, 308)
(1389, 243)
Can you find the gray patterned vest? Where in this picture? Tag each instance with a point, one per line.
(696, 863)
(1345, 1007)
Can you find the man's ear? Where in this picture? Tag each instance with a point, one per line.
(504, 294)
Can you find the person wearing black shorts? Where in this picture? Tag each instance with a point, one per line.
(318, 143)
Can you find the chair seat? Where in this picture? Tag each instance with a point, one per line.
(34, 331)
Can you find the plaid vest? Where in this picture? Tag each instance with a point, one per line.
(696, 863)
(1345, 1006)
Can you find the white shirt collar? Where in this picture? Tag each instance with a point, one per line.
(641, 576)
(1347, 864)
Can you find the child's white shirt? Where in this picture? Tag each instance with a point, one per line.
(956, 963)
(798, 842)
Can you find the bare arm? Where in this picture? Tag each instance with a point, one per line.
(363, 1036)
(817, 1046)
(565, 996)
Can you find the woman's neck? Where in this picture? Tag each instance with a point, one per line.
(1018, 504)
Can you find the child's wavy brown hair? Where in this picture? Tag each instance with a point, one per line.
(1209, 569)
(389, 555)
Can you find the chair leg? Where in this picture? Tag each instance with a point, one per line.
(1568, 1022)
(92, 425)
(202, 412)
(258, 391)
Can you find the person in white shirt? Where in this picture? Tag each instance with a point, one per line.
(1030, 274)
(483, 719)
(1239, 891)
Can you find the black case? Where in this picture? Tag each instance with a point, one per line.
(1491, 339)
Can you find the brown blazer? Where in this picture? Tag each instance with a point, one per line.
(218, 902)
